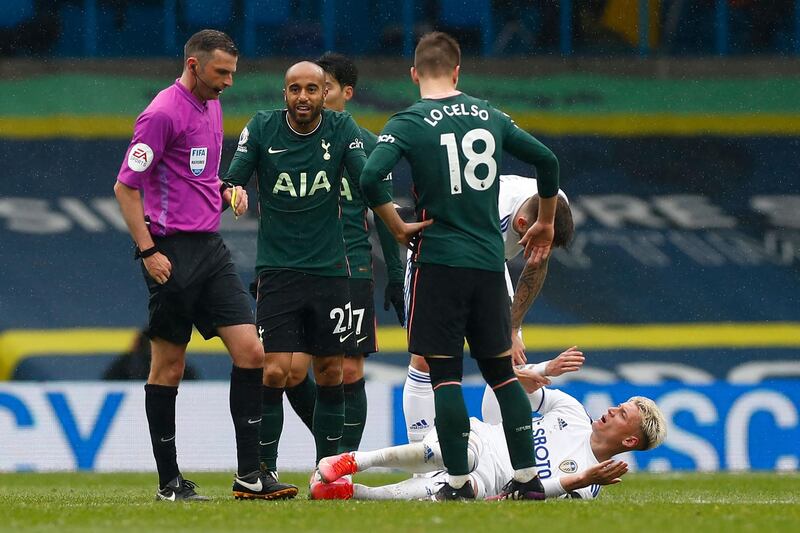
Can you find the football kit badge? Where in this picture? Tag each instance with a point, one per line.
(197, 159)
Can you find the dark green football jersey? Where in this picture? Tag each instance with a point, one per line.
(454, 146)
(299, 184)
(356, 229)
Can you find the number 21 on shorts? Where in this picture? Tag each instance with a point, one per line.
(474, 159)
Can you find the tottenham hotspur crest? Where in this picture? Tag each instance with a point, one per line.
(325, 147)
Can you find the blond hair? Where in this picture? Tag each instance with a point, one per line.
(653, 426)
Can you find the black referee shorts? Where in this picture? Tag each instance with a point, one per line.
(203, 289)
(449, 304)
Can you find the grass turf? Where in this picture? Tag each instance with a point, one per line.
(643, 502)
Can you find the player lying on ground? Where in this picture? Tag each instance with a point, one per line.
(574, 454)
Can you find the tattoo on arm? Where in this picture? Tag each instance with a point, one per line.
(530, 283)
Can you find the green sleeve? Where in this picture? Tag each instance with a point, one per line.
(393, 142)
(528, 149)
(377, 170)
(395, 269)
(354, 154)
(245, 160)
(370, 140)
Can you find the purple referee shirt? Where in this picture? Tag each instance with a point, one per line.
(174, 159)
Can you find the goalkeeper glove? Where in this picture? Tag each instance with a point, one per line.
(395, 295)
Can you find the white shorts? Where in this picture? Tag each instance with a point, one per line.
(487, 444)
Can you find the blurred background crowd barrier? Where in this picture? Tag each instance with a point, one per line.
(111, 28)
(677, 126)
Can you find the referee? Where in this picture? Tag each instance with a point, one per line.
(173, 161)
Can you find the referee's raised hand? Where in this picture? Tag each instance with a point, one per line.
(159, 267)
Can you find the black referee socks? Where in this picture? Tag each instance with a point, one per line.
(159, 405)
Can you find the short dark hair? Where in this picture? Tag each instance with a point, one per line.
(204, 42)
(437, 54)
(339, 67)
(564, 227)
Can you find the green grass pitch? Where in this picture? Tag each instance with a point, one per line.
(643, 502)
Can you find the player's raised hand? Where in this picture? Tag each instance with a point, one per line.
(241, 202)
(236, 197)
(537, 241)
(159, 267)
(531, 381)
(570, 360)
(606, 473)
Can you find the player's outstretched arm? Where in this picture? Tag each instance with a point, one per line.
(530, 379)
(403, 232)
(570, 360)
(608, 472)
(527, 148)
(529, 285)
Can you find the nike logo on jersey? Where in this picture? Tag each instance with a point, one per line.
(251, 421)
(272, 150)
(262, 443)
(167, 440)
(334, 438)
(343, 338)
(359, 341)
(349, 424)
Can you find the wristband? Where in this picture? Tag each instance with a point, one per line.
(541, 368)
(141, 254)
(553, 487)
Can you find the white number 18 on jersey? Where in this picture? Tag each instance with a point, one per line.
(474, 159)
